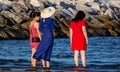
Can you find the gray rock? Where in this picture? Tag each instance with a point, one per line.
(110, 13)
(2, 22)
(115, 3)
(84, 8)
(18, 8)
(95, 5)
(66, 13)
(4, 7)
(7, 2)
(11, 16)
(104, 7)
(37, 3)
(3, 34)
(14, 17)
(73, 11)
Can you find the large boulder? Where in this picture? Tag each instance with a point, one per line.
(11, 16)
(4, 7)
(7, 2)
(95, 5)
(2, 22)
(56, 2)
(110, 13)
(66, 13)
(18, 8)
(37, 3)
(115, 4)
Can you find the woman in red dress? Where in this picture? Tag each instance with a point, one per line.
(34, 32)
(78, 37)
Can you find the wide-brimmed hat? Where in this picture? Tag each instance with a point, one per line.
(47, 12)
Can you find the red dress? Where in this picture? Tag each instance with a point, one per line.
(78, 39)
(33, 33)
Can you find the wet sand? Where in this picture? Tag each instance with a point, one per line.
(105, 68)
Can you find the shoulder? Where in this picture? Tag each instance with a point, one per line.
(36, 24)
(31, 22)
(49, 19)
(72, 23)
(82, 21)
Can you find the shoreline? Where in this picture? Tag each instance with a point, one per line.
(107, 68)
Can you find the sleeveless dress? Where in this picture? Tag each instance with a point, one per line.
(44, 49)
(33, 33)
(78, 39)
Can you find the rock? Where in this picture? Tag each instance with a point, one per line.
(95, 21)
(16, 33)
(4, 7)
(25, 25)
(18, 8)
(64, 5)
(84, 8)
(22, 2)
(73, 11)
(105, 6)
(3, 34)
(107, 27)
(2, 22)
(66, 13)
(115, 4)
(110, 13)
(11, 16)
(91, 32)
(102, 18)
(7, 2)
(112, 32)
(37, 3)
(85, 1)
(43, 1)
(95, 5)
(56, 2)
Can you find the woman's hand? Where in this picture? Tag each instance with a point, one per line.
(70, 43)
(86, 41)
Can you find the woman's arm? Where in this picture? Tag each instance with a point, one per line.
(85, 33)
(30, 25)
(39, 33)
(71, 34)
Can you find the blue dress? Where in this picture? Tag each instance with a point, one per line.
(44, 49)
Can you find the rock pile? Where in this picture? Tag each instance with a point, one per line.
(102, 18)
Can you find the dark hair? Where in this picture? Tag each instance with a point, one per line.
(79, 16)
(34, 14)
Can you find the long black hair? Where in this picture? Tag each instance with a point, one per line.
(34, 14)
(79, 16)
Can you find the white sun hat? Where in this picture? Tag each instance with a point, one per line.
(47, 12)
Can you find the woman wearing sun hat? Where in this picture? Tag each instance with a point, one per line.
(46, 26)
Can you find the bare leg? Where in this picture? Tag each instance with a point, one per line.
(83, 57)
(33, 61)
(48, 64)
(43, 63)
(76, 54)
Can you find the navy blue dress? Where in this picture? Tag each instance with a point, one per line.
(45, 47)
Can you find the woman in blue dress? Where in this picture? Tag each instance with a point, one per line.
(44, 49)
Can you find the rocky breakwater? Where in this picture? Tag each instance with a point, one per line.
(102, 18)
(14, 19)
